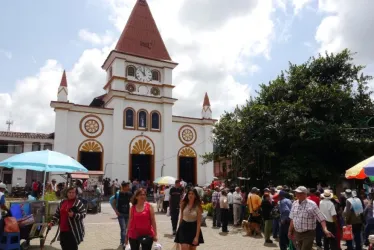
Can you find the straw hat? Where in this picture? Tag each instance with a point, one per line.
(327, 194)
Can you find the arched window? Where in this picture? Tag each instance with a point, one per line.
(129, 119)
(130, 71)
(155, 120)
(155, 75)
(142, 119)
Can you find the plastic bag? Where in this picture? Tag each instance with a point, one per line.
(11, 225)
(290, 246)
(168, 211)
(347, 233)
(157, 246)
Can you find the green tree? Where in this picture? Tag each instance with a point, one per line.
(307, 125)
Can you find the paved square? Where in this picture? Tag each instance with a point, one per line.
(102, 233)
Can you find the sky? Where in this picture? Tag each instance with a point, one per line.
(224, 48)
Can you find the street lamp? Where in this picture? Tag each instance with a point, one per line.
(162, 169)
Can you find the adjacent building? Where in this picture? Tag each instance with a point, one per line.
(12, 143)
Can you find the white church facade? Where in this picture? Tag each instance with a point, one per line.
(130, 132)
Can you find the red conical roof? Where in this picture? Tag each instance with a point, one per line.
(140, 36)
(206, 100)
(64, 82)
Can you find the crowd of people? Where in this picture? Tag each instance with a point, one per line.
(299, 217)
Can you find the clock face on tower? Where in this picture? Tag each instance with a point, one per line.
(143, 74)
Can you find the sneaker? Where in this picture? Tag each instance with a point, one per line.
(268, 241)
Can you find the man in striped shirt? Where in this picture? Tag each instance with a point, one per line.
(304, 216)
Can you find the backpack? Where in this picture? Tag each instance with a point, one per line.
(125, 200)
(275, 213)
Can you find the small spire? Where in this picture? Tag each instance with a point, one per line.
(64, 82)
(206, 100)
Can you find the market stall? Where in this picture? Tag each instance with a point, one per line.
(31, 215)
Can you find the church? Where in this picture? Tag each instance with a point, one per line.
(130, 132)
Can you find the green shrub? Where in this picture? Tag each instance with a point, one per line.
(209, 208)
(50, 196)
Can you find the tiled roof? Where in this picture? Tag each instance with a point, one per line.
(206, 100)
(64, 82)
(141, 36)
(27, 135)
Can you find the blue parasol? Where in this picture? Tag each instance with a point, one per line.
(46, 161)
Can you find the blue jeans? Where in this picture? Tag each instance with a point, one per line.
(276, 223)
(123, 221)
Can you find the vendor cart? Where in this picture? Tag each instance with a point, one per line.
(30, 216)
(92, 200)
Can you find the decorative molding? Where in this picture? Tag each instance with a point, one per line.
(187, 152)
(91, 126)
(130, 87)
(187, 135)
(91, 146)
(142, 147)
(136, 82)
(155, 91)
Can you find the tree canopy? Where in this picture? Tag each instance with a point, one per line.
(309, 124)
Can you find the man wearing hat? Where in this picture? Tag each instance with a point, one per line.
(327, 208)
(304, 216)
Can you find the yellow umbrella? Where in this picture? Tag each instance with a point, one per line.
(357, 171)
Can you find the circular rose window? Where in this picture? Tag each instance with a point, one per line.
(187, 135)
(91, 126)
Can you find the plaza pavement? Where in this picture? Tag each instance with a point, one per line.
(102, 233)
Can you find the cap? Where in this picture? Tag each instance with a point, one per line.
(301, 189)
(266, 190)
(2, 185)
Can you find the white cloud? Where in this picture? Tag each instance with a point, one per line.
(6, 53)
(94, 38)
(209, 57)
(347, 25)
(300, 5)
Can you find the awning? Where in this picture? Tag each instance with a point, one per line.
(80, 176)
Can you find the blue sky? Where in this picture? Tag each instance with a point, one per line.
(41, 38)
(35, 31)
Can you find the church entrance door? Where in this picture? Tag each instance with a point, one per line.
(187, 169)
(141, 166)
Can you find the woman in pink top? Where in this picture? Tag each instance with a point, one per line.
(142, 228)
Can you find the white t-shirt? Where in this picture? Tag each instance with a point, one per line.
(327, 209)
(167, 194)
(230, 198)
